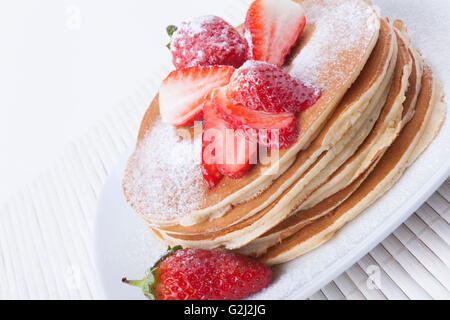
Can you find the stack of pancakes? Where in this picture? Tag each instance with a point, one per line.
(380, 108)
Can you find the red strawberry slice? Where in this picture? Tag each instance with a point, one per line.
(182, 93)
(270, 129)
(272, 27)
(198, 274)
(231, 149)
(236, 155)
(211, 174)
(262, 86)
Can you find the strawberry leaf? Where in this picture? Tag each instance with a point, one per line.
(171, 30)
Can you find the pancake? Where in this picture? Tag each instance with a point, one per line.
(413, 139)
(350, 175)
(381, 136)
(344, 32)
(409, 106)
(372, 82)
(331, 160)
(301, 219)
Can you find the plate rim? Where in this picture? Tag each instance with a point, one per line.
(377, 236)
(333, 270)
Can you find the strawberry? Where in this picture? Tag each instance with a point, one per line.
(211, 174)
(198, 274)
(182, 93)
(231, 150)
(272, 27)
(262, 86)
(207, 41)
(269, 129)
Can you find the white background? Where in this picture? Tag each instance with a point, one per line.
(64, 64)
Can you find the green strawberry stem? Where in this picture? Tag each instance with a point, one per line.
(134, 283)
(170, 31)
(149, 280)
(145, 284)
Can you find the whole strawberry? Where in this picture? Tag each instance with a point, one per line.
(266, 87)
(207, 41)
(197, 274)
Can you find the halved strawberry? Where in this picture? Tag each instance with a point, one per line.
(270, 129)
(262, 86)
(271, 29)
(182, 93)
(236, 155)
(233, 152)
(211, 174)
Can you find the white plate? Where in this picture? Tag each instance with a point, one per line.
(124, 247)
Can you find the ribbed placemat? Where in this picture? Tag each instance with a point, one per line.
(46, 230)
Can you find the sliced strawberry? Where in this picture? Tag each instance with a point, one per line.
(237, 154)
(182, 93)
(262, 86)
(233, 152)
(211, 174)
(272, 27)
(269, 129)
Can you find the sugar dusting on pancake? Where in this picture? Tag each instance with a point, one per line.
(339, 26)
(163, 165)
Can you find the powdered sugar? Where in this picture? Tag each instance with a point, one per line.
(165, 179)
(197, 25)
(340, 27)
